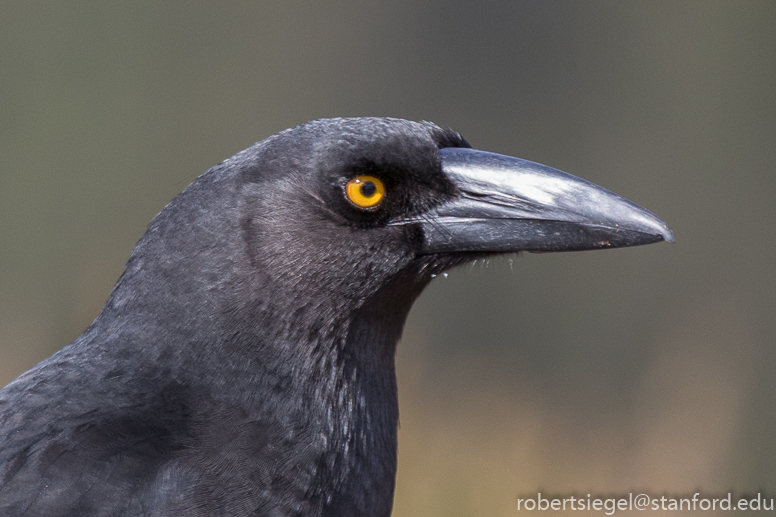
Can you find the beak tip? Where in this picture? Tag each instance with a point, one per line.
(642, 220)
(662, 229)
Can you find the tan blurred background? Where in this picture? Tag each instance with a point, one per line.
(644, 369)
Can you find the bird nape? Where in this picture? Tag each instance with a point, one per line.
(244, 362)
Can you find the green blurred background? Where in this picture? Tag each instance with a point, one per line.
(644, 369)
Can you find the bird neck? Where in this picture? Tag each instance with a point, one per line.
(363, 404)
(322, 373)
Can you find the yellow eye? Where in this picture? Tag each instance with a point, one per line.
(365, 191)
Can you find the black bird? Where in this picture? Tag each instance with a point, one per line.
(244, 362)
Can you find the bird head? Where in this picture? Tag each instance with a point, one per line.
(384, 197)
(331, 216)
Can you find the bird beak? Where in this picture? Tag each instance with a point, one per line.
(508, 204)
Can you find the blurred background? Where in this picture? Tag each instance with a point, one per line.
(642, 369)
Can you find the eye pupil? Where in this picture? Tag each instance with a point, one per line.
(368, 189)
